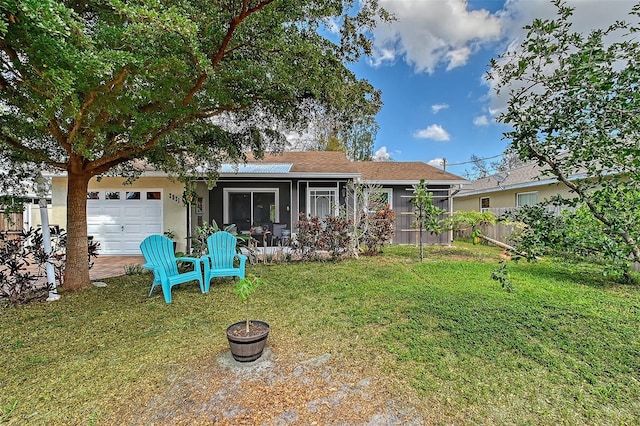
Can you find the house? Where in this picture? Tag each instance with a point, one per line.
(261, 194)
(521, 186)
(29, 217)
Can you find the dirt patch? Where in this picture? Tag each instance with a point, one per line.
(273, 391)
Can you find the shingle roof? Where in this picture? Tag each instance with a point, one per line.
(519, 175)
(310, 161)
(406, 171)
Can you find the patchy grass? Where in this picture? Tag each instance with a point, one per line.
(562, 349)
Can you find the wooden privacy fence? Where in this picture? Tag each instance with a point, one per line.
(502, 233)
(499, 232)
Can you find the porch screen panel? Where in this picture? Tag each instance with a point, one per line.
(240, 209)
(264, 208)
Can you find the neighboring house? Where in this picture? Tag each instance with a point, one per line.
(26, 219)
(521, 186)
(266, 193)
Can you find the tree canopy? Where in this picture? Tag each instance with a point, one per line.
(574, 106)
(88, 87)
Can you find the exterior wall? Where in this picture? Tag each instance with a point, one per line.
(507, 198)
(406, 231)
(175, 213)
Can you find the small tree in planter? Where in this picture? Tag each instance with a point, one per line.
(247, 338)
(244, 288)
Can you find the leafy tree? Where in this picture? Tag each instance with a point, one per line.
(355, 140)
(574, 105)
(91, 87)
(427, 214)
(474, 219)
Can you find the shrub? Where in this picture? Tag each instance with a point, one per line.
(23, 262)
(376, 230)
(19, 284)
(308, 236)
(335, 237)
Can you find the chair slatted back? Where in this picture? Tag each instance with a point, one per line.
(158, 251)
(222, 249)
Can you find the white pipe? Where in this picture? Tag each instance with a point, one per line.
(46, 239)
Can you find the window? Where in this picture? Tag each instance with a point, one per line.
(133, 195)
(322, 202)
(247, 208)
(484, 204)
(109, 195)
(526, 199)
(377, 199)
(154, 195)
(93, 195)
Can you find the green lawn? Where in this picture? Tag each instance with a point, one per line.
(562, 349)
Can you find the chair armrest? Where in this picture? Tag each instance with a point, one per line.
(241, 256)
(149, 266)
(193, 260)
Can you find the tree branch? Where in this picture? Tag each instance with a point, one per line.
(91, 97)
(222, 50)
(37, 155)
(624, 234)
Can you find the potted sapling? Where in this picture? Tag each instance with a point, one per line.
(247, 338)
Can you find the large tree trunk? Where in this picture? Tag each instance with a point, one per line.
(77, 267)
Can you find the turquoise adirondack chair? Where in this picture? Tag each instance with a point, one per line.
(158, 252)
(219, 262)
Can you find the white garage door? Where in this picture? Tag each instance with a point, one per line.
(119, 220)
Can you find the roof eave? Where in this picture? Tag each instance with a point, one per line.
(526, 185)
(293, 175)
(413, 182)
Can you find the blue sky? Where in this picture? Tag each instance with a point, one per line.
(430, 66)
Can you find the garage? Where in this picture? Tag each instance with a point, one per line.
(120, 219)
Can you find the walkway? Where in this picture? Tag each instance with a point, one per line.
(112, 266)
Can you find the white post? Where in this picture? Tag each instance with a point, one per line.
(42, 190)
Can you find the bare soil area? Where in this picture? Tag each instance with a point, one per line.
(273, 391)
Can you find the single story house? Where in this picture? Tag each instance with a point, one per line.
(26, 219)
(270, 192)
(500, 192)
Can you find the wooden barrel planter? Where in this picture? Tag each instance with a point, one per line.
(247, 347)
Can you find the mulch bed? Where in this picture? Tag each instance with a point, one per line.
(273, 391)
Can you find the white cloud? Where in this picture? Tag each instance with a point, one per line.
(432, 33)
(588, 15)
(481, 120)
(436, 162)
(458, 57)
(382, 155)
(434, 132)
(438, 107)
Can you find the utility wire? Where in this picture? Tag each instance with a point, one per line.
(473, 161)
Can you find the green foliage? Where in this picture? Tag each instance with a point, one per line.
(501, 274)
(5, 412)
(378, 229)
(574, 103)
(462, 219)
(202, 232)
(92, 87)
(244, 288)
(427, 214)
(134, 269)
(334, 235)
(23, 263)
(571, 236)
